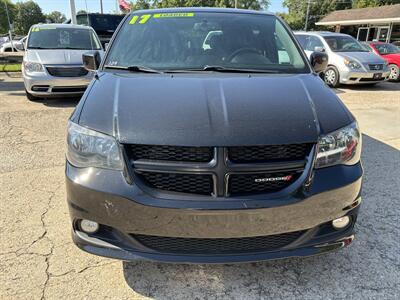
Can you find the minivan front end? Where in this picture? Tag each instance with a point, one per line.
(233, 152)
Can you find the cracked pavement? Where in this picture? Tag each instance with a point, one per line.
(39, 261)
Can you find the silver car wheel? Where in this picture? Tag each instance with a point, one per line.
(394, 72)
(330, 76)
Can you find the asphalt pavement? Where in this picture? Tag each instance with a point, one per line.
(39, 261)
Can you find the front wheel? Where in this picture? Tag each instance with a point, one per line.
(394, 72)
(331, 76)
(30, 96)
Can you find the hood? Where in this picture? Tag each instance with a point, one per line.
(392, 58)
(205, 110)
(363, 57)
(55, 56)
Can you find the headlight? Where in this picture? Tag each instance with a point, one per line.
(340, 147)
(89, 148)
(352, 64)
(32, 67)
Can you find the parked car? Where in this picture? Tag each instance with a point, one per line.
(17, 45)
(52, 65)
(349, 62)
(391, 54)
(104, 24)
(235, 153)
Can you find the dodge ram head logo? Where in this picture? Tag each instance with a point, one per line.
(270, 179)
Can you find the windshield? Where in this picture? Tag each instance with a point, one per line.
(195, 40)
(51, 37)
(344, 44)
(386, 49)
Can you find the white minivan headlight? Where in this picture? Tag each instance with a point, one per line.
(352, 64)
(342, 146)
(89, 148)
(33, 67)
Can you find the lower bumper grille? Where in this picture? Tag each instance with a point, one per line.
(243, 184)
(180, 183)
(66, 89)
(218, 245)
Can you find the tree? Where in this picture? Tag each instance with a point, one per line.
(27, 14)
(55, 17)
(81, 12)
(246, 4)
(3, 15)
(372, 3)
(318, 9)
(140, 4)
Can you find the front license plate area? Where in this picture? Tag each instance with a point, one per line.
(377, 76)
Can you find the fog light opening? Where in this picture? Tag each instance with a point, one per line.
(341, 223)
(89, 226)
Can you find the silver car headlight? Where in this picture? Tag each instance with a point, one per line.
(352, 64)
(33, 67)
(340, 147)
(89, 148)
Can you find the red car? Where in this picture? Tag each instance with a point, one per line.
(391, 54)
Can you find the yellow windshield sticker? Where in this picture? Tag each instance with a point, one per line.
(36, 29)
(144, 19)
(133, 20)
(173, 15)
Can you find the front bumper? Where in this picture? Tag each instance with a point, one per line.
(124, 210)
(363, 77)
(45, 85)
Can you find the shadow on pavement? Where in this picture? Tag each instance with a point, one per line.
(383, 86)
(59, 102)
(11, 86)
(368, 268)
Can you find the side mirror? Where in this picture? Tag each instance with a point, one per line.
(319, 49)
(319, 61)
(19, 46)
(91, 60)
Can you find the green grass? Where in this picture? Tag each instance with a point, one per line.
(10, 68)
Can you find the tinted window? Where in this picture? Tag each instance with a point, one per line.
(344, 44)
(51, 37)
(386, 49)
(195, 40)
(106, 23)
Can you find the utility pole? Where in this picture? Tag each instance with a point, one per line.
(308, 11)
(101, 6)
(9, 27)
(236, 3)
(73, 11)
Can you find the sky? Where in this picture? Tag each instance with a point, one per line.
(109, 6)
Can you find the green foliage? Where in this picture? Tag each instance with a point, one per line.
(3, 15)
(320, 8)
(27, 14)
(55, 17)
(246, 4)
(81, 12)
(373, 3)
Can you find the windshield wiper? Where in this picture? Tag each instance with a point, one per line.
(138, 69)
(235, 70)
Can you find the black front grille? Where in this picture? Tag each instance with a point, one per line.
(375, 67)
(244, 184)
(262, 154)
(180, 183)
(67, 71)
(68, 89)
(218, 245)
(170, 153)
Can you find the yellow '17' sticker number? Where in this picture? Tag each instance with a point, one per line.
(144, 18)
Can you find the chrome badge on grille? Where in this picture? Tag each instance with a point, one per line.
(271, 179)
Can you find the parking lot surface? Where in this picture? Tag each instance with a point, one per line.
(39, 261)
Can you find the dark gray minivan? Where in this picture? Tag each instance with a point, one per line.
(207, 136)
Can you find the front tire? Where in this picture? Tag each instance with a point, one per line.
(30, 96)
(394, 72)
(331, 76)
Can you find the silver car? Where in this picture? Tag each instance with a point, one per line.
(53, 65)
(349, 62)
